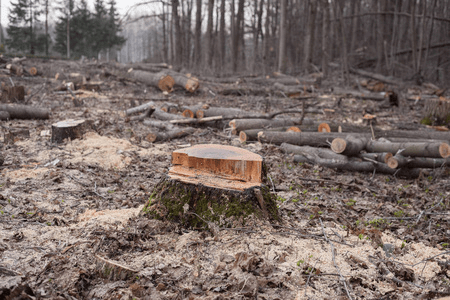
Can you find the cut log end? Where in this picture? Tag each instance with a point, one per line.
(166, 83)
(200, 114)
(338, 145)
(187, 113)
(192, 85)
(293, 129)
(444, 150)
(392, 163)
(33, 71)
(324, 127)
(242, 137)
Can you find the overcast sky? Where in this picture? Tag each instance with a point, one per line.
(122, 5)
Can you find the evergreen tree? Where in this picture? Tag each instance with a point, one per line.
(113, 28)
(23, 18)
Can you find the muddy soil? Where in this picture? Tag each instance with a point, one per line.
(67, 208)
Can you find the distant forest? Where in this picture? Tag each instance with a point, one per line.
(403, 38)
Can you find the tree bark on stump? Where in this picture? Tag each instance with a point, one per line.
(213, 185)
(68, 129)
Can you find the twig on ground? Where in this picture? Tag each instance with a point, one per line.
(334, 260)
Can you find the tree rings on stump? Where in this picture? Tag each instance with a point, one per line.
(72, 129)
(213, 183)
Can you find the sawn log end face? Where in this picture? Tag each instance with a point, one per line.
(218, 166)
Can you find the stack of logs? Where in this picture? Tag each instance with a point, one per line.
(341, 146)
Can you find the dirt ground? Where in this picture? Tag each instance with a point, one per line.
(65, 209)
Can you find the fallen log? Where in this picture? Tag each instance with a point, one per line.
(25, 111)
(350, 145)
(365, 96)
(191, 111)
(252, 134)
(196, 121)
(315, 139)
(34, 71)
(360, 166)
(291, 91)
(221, 111)
(377, 77)
(417, 134)
(170, 108)
(418, 162)
(15, 69)
(146, 114)
(4, 115)
(160, 115)
(438, 150)
(380, 157)
(164, 125)
(191, 84)
(139, 108)
(161, 80)
(246, 124)
(170, 135)
(320, 152)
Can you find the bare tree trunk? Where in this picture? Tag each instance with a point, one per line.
(325, 37)
(413, 35)
(282, 42)
(222, 33)
(234, 39)
(163, 19)
(198, 32)
(356, 8)
(266, 38)
(421, 36)
(339, 6)
(380, 35)
(258, 31)
(46, 28)
(178, 40)
(209, 33)
(310, 36)
(431, 32)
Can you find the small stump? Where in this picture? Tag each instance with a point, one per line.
(68, 129)
(213, 183)
(437, 112)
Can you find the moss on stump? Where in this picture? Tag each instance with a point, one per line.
(191, 205)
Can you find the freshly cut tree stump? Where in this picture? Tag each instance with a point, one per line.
(213, 183)
(72, 129)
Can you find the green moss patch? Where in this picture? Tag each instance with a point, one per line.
(191, 205)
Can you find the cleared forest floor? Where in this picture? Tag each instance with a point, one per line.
(68, 208)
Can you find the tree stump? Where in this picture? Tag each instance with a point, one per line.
(213, 183)
(13, 93)
(437, 112)
(72, 129)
